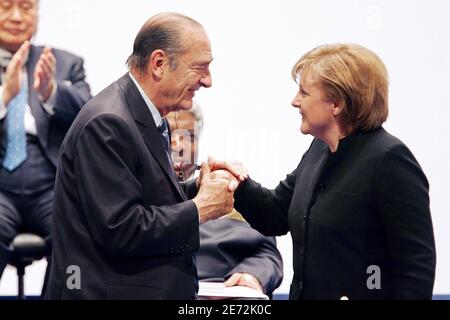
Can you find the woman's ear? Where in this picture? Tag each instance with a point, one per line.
(337, 107)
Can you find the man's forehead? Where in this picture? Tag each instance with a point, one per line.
(200, 51)
(196, 40)
(21, 1)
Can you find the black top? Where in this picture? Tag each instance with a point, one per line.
(364, 207)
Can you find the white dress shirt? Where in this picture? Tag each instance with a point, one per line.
(155, 113)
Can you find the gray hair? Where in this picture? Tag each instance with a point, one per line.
(163, 31)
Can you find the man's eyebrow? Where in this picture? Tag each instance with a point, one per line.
(205, 62)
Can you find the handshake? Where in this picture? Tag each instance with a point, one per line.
(217, 182)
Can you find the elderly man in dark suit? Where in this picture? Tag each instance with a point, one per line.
(126, 229)
(41, 92)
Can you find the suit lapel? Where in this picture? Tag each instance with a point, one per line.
(41, 118)
(144, 120)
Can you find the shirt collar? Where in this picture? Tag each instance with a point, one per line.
(6, 55)
(155, 113)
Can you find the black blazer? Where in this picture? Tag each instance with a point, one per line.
(72, 93)
(119, 213)
(228, 246)
(365, 205)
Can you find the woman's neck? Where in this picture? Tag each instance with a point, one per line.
(332, 138)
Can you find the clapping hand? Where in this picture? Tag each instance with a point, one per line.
(44, 74)
(13, 74)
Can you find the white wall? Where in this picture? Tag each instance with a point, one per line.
(255, 43)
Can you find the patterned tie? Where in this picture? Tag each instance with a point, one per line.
(16, 145)
(164, 131)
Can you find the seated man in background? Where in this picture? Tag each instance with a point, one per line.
(41, 92)
(229, 248)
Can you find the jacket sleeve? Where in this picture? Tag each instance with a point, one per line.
(266, 265)
(71, 94)
(401, 196)
(266, 210)
(112, 197)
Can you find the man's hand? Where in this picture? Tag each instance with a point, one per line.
(214, 199)
(244, 279)
(13, 76)
(44, 74)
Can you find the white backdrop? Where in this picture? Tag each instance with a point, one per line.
(255, 43)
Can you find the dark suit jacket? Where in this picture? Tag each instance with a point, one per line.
(119, 213)
(72, 93)
(367, 204)
(228, 246)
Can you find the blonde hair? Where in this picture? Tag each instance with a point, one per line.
(352, 75)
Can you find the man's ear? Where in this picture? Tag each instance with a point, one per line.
(157, 63)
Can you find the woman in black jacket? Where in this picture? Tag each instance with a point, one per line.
(357, 205)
